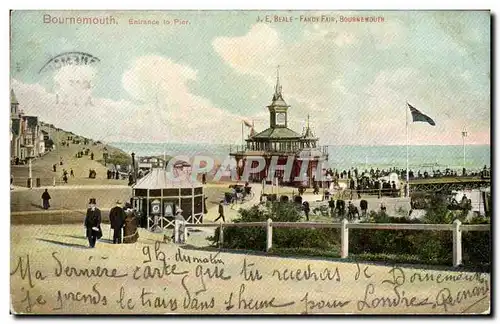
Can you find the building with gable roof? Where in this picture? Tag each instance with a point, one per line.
(26, 138)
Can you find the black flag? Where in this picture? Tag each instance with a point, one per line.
(418, 116)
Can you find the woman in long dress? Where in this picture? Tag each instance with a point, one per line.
(130, 231)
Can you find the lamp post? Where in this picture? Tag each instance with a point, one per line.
(464, 135)
(30, 157)
(133, 167)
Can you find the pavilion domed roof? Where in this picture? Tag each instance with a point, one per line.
(163, 179)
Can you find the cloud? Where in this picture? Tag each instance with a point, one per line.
(161, 107)
(354, 81)
(252, 53)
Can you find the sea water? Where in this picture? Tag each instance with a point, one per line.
(421, 157)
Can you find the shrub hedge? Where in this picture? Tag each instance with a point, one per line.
(425, 247)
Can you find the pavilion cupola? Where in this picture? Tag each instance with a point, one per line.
(278, 115)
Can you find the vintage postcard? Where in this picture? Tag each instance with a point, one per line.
(250, 162)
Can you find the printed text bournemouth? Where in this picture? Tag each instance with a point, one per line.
(48, 19)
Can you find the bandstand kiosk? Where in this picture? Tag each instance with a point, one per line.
(158, 195)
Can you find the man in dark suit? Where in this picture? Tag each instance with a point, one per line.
(363, 204)
(93, 223)
(117, 219)
(331, 204)
(307, 209)
(45, 199)
(221, 212)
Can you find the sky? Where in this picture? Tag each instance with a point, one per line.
(196, 82)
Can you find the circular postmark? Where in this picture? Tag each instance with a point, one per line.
(73, 77)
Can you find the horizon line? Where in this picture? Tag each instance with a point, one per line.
(235, 144)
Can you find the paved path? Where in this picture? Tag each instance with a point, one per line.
(72, 187)
(42, 166)
(231, 212)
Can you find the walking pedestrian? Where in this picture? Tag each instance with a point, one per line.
(130, 233)
(45, 199)
(182, 223)
(352, 211)
(331, 204)
(117, 220)
(316, 188)
(72, 173)
(93, 223)
(340, 206)
(233, 197)
(306, 208)
(363, 204)
(383, 208)
(221, 212)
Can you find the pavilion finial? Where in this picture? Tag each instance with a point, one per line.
(308, 133)
(277, 90)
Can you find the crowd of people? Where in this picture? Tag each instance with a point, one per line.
(113, 174)
(370, 182)
(65, 174)
(237, 194)
(92, 173)
(84, 151)
(434, 173)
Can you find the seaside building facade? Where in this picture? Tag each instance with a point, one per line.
(278, 142)
(148, 163)
(26, 137)
(16, 128)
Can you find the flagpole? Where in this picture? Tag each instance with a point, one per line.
(407, 155)
(464, 135)
(242, 135)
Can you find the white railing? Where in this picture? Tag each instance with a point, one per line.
(457, 228)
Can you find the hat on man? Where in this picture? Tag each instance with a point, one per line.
(92, 201)
(118, 202)
(178, 211)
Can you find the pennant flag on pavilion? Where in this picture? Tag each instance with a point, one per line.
(418, 116)
(247, 123)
